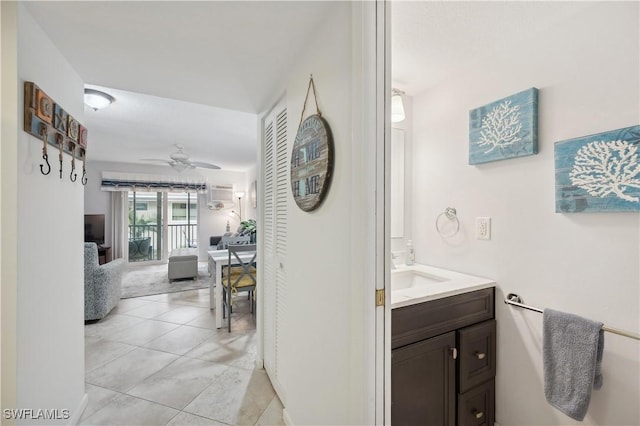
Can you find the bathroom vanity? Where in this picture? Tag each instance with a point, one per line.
(443, 349)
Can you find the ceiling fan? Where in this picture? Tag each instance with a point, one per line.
(180, 161)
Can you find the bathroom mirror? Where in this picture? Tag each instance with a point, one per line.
(397, 183)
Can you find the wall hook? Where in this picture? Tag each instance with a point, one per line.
(45, 157)
(83, 154)
(73, 176)
(60, 141)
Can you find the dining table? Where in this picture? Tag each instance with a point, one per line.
(217, 260)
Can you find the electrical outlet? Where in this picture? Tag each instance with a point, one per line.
(483, 228)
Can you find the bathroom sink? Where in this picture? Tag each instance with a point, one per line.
(419, 283)
(412, 278)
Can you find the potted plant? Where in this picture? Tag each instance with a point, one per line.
(249, 227)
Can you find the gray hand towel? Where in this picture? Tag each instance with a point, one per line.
(571, 354)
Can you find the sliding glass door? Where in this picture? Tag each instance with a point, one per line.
(145, 226)
(183, 219)
(160, 222)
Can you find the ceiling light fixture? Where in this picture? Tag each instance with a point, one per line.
(179, 165)
(96, 99)
(397, 106)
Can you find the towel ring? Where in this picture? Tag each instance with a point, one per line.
(449, 213)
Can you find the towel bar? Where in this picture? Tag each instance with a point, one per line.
(515, 300)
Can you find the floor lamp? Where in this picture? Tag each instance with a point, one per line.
(240, 195)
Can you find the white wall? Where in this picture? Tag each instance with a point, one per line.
(211, 222)
(320, 342)
(586, 67)
(50, 310)
(9, 94)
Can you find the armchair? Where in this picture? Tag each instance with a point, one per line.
(102, 284)
(140, 249)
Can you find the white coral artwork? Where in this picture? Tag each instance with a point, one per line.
(501, 127)
(607, 167)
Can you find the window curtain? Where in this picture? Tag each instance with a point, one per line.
(114, 181)
(119, 213)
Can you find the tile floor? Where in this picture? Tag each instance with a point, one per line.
(159, 360)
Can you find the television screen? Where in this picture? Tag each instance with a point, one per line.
(94, 228)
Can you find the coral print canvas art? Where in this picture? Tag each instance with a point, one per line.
(504, 129)
(599, 173)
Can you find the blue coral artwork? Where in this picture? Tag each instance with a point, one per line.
(599, 173)
(506, 128)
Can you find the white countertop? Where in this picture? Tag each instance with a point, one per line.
(438, 283)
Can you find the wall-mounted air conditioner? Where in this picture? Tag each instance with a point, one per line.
(220, 197)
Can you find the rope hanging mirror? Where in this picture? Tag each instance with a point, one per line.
(311, 157)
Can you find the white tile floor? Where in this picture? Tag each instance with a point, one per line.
(159, 360)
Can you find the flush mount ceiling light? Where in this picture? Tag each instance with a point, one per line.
(96, 99)
(397, 106)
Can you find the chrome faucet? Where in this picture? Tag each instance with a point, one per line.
(394, 257)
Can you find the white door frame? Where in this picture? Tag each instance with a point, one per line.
(371, 105)
(383, 211)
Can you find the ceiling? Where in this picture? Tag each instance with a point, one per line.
(432, 41)
(182, 72)
(197, 73)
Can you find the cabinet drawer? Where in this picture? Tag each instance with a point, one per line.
(476, 407)
(477, 354)
(421, 321)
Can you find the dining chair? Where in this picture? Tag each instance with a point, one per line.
(239, 275)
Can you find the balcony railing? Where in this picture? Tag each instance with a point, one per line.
(178, 236)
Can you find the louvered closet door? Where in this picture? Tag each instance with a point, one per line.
(268, 279)
(281, 191)
(275, 235)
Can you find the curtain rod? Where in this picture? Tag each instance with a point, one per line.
(515, 300)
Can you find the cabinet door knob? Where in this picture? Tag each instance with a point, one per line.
(454, 353)
(478, 414)
(480, 355)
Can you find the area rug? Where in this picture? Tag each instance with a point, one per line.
(145, 280)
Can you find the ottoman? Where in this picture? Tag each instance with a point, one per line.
(183, 263)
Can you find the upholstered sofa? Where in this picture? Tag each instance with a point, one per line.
(140, 249)
(230, 238)
(102, 283)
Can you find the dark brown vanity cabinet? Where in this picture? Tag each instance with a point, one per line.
(443, 361)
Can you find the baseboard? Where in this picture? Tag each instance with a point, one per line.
(286, 418)
(75, 419)
(259, 363)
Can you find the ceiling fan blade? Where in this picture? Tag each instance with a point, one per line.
(155, 160)
(205, 165)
